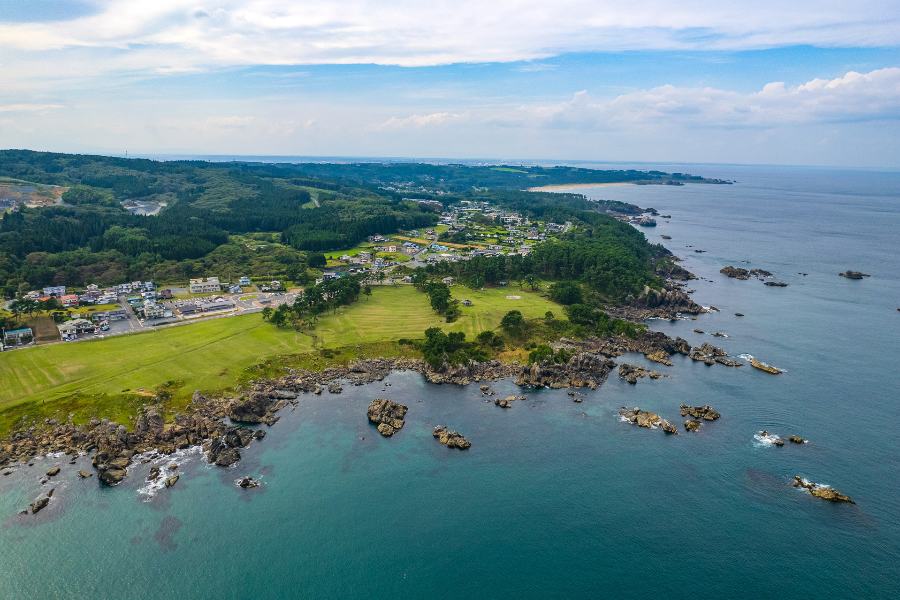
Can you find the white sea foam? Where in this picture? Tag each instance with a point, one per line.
(765, 440)
(181, 457)
(624, 419)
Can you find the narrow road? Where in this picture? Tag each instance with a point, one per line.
(132, 318)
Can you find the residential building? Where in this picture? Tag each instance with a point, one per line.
(59, 291)
(188, 310)
(17, 337)
(235, 289)
(365, 256)
(166, 294)
(203, 287)
(93, 288)
(447, 281)
(392, 248)
(69, 300)
(467, 303)
(154, 312)
(245, 281)
(149, 286)
(75, 326)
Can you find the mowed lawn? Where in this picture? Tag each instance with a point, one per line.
(209, 355)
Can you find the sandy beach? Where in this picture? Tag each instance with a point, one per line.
(563, 187)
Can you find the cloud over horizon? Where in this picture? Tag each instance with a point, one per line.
(181, 35)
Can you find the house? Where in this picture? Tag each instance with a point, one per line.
(166, 294)
(346, 257)
(74, 327)
(188, 310)
(392, 248)
(149, 286)
(17, 337)
(112, 315)
(93, 288)
(59, 291)
(467, 303)
(447, 281)
(365, 256)
(275, 284)
(245, 281)
(198, 286)
(235, 289)
(495, 247)
(69, 300)
(330, 275)
(123, 288)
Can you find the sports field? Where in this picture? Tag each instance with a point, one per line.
(209, 355)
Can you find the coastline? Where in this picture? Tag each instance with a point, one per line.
(550, 188)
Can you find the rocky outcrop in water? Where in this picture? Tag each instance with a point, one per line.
(853, 274)
(735, 272)
(387, 415)
(823, 492)
(248, 482)
(632, 373)
(451, 439)
(584, 369)
(705, 412)
(692, 426)
(642, 417)
(758, 365)
(796, 439)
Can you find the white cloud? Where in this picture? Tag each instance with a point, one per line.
(420, 121)
(178, 34)
(854, 97)
(29, 107)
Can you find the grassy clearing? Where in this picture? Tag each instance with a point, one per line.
(87, 376)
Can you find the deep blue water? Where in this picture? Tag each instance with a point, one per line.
(557, 499)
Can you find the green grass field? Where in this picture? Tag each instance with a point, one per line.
(211, 355)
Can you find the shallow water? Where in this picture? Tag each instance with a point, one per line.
(557, 499)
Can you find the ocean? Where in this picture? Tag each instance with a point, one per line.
(558, 499)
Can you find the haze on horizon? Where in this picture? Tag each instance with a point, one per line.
(812, 83)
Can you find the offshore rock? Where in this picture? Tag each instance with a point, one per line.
(706, 412)
(668, 427)
(853, 274)
(40, 505)
(631, 372)
(796, 439)
(642, 417)
(825, 493)
(382, 411)
(735, 272)
(584, 369)
(451, 439)
(248, 482)
(84, 474)
(171, 481)
(756, 364)
(52, 472)
(690, 425)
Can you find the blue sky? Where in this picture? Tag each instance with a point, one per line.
(814, 83)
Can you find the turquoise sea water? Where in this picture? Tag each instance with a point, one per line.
(557, 499)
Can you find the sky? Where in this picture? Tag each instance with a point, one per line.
(694, 81)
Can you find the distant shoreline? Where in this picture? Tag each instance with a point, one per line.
(571, 185)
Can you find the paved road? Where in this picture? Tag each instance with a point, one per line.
(133, 321)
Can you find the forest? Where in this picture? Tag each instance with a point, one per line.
(221, 218)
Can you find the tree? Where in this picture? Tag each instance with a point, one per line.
(566, 292)
(531, 280)
(548, 317)
(485, 337)
(266, 313)
(512, 322)
(367, 291)
(317, 260)
(582, 314)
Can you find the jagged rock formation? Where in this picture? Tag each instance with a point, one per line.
(642, 417)
(705, 412)
(631, 373)
(248, 482)
(451, 439)
(664, 303)
(825, 493)
(690, 425)
(735, 272)
(387, 415)
(584, 369)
